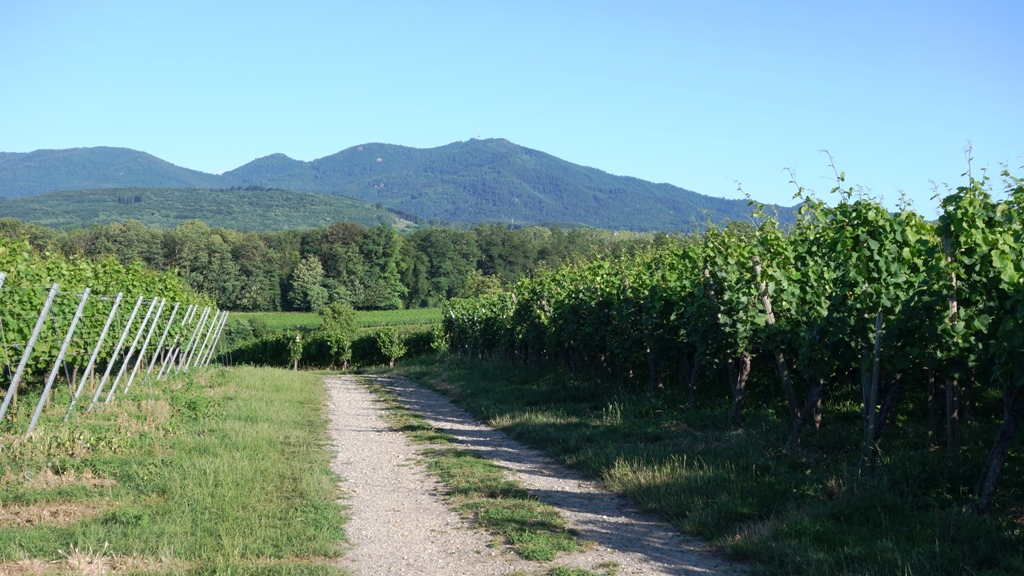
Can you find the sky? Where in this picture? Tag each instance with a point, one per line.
(723, 98)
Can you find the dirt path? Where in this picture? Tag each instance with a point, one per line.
(398, 524)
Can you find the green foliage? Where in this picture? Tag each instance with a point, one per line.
(419, 331)
(476, 284)
(308, 291)
(390, 343)
(259, 327)
(42, 171)
(338, 329)
(691, 314)
(246, 210)
(382, 287)
(437, 261)
(29, 278)
(408, 317)
(294, 347)
(370, 268)
(276, 322)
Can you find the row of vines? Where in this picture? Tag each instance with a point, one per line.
(87, 327)
(853, 303)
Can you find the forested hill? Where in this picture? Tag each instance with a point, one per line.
(474, 181)
(244, 210)
(45, 171)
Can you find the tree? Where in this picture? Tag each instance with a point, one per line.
(415, 272)
(260, 287)
(506, 252)
(203, 260)
(308, 292)
(338, 328)
(381, 247)
(476, 284)
(295, 349)
(390, 343)
(451, 255)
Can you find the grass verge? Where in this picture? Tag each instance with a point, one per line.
(218, 472)
(481, 490)
(809, 513)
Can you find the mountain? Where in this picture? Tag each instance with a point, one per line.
(253, 210)
(264, 169)
(42, 171)
(490, 180)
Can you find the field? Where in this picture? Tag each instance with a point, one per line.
(218, 472)
(281, 321)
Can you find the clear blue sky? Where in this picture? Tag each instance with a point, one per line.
(697, 94)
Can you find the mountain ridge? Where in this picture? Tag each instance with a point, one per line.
(491, 180)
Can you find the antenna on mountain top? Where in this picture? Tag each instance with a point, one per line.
(477, 133)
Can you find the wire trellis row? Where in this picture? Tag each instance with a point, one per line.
(60, 342)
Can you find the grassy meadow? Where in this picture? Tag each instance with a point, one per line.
(216, 472)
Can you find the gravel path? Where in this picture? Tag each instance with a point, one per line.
(399, 525)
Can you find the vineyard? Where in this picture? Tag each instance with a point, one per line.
(919, 325)
(308, 321)
(92, 329)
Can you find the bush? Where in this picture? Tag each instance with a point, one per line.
(337, 329)
(260, 328)
(391, 344)
(365, 350)
(421, 342)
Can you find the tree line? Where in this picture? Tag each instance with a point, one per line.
(368, 268)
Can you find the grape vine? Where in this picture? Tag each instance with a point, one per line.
(852, 303)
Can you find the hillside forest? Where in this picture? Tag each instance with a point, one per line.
(471, 182)
(369, 268)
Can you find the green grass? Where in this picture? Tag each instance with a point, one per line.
(278, 322)
(481, 490)
(412, 316)
(221, 472)
(809, 513)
